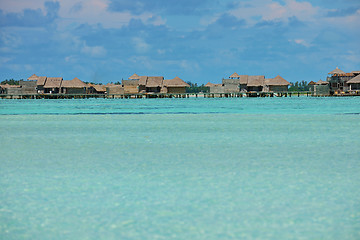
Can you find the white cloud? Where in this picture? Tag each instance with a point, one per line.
(143, 61)
(302, 42)
(96, 12)
(140, 45)
(94, 51)
(4, 60)
(269, 10)
(349, 22)
(89, 11)
(189, 66)
(19, 5)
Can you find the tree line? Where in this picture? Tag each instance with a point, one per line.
(11, 82)
(194, 88)
(299, 86)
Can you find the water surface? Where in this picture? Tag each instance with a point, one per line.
(242, 168)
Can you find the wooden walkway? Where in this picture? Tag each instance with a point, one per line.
(156, 95)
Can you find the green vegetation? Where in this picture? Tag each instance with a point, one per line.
(10, 82)
(299, 86)
(93, 83)
(194, 88)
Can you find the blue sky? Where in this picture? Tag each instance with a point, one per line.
(198, 40)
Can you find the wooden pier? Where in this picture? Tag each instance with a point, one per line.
(155, 95)
(169, 95)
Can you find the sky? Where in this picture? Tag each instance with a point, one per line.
(200, 41)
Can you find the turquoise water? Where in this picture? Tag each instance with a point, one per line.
(244, 168)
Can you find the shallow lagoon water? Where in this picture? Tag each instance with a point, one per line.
(242, 168)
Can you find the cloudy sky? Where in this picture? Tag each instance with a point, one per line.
(197, 40)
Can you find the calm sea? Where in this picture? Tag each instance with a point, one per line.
(241, 168)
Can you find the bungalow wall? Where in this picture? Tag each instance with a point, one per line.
(321, 90)
(40, 89)
(51, 90)
(130, 89)
(14, 91)
(176, 89)
(153, 89)
(339, 82)
(278, 88)
(255, 89)
(74, 90)
(142, 88)
(115, 90)
(217, 89)
(92, 90)
(28, 87)
(231, 85)
(243, 87)
(354, 86)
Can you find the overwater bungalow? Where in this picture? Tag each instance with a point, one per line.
(53, 84)
(319, 88)
(248, 83)
(154, 84)
(277, 84)
(176, 85)
(255, 83)
(338, 80)
(75, 86)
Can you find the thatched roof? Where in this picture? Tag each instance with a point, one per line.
(53, 82)
(143, 80)
(312, 83)
(255, 81)
(33, 77)
(9, 86)
(277, 81)
(154, 81)
(176, 82)
(213, 85)
(41, 81)
(336, 71)
(110, 85)
(321, 82)
(354, 80)
(75, 83)
(98, 88)
(244, 79)
(130, 82)
(134, 77)
(235, 75)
